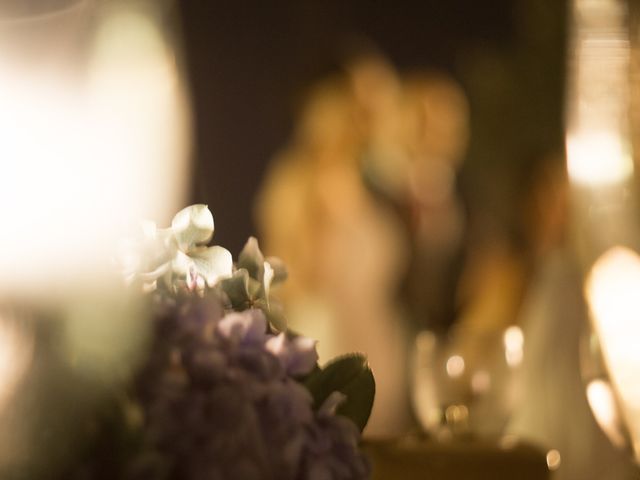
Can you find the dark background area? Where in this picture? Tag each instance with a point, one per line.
(247, 62)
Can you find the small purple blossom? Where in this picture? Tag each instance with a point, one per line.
(246, 328)
(298, 354)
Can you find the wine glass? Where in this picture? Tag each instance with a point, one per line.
(466, 390)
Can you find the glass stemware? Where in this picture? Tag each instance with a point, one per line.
(470, 390)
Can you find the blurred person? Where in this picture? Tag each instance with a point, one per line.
(378, 95)
(434, 115)
(555, 412)
(411, 162)
(343, 249)
(415, 141)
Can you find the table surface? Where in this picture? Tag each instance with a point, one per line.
(416, 459)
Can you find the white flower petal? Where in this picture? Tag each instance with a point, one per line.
(155, 274)
(213, 263)
(268, 278)
(182, 264)
(192, 226)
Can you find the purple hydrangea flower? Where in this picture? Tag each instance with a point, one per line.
(220, 402)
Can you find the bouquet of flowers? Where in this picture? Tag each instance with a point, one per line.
(226, 390)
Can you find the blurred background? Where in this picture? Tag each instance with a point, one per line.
(406, 162)
(250, 64)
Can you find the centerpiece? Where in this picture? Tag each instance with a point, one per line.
(224, 390)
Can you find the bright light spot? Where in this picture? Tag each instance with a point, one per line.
(553, 459)
(455, 366)
(456, 415)
(84, 157)
(612, 291)
(513, 343)
(598, 158)
(603, 405)
(513, 338)
(481, 382)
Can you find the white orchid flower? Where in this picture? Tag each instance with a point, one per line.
(179, 253)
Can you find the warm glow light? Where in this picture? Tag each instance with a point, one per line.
(84, 154)
(598, 149)
(553, 459)
(425, 398)
(457, 416)
(513, 345)
(598, 158)
(481, 382)
(455, 366)
(613, 294)
(603, 405)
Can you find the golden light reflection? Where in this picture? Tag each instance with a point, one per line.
(598, 149)
(457, 416)
(481, 382)
(612, 294)
(598, 158)
(455, 366)
(553, 459)
(603, 405)
(513, 346)
(425, 396)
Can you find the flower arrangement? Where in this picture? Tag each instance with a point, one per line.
(226, 390)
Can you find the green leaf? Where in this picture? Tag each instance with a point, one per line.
(252, 260)
(351, 376)
(254, 287)
(242, 290)
(237, 289)
(274, 313)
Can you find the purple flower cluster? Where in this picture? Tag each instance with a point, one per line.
(220, 400)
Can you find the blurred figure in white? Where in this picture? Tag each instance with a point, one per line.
(344, 250)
